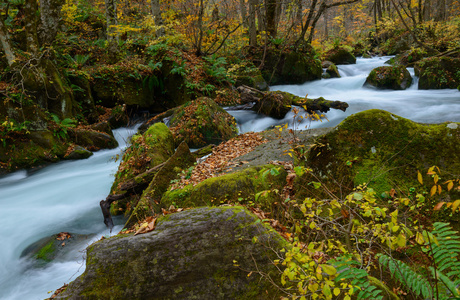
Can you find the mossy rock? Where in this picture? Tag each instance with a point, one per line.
(408, 58)
(385, 151)
(389, 77)
(181, 160)
(203, 253)
(273, 104)
(248, 74)
(92, 139)
(78, 152)
(288, 67)
(241, 186)
(438, 73)
(147, 150)
(332, 71)
(313, 105)
(37, 148)
(81, 87)
(202, 122)
(53, 248)
(340, 56)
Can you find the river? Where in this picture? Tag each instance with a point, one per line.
(66, 195)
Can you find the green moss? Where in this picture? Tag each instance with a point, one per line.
(46, 252)
(386, 77)
(238, 187)
(385, 150)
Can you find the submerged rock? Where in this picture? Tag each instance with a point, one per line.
(204, 253)
(384, 151)
(438, 73)
(55, 247)
(389, 77)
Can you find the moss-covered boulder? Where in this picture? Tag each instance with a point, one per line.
(248, 74)
(204, 253)
(438, 73)
(241, 186)
(332, 71)
(28, 150)
(181, 160)
(389, 77)
(147, 150)
(77, 152)
(385, 151)
(202, 122)
(288, 67)
(340, 56)
(273, 104)
(408, 58)
(92, 139)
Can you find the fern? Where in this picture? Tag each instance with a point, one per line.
(443, 244)
(418, 284)
(347, 271)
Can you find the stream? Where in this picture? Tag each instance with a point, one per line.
(64, 197)
(424, 106)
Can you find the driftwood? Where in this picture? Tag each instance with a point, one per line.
(105, 207)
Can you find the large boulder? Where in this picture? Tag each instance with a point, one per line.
(389, 77)
(204, 253)
(385, 151)
(242, 185)
(408, 58)
(438, 73)
(92, 139)
(147, 150)
(202, 122)
(288, 67)
(340, 56)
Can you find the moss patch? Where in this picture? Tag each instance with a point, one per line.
(385, 77)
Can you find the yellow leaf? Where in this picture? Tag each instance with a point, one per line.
(439, 189)
(455, 205)
(450, 185)
(436, 178)
(433, 190)
(419, 177)
(419, 238)
(336, 291)
(328, 269)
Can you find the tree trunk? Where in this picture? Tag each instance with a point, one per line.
(199, 38)
(252, 23)
(270, 17)
(31, 20)
(50, 14)
(244, 14)
(112, 38)
(6, 44)
(156, 12)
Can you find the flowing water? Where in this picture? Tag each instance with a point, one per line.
(65, 196)
(425, 106)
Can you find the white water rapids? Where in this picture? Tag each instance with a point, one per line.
(66, 195)
(425, 106)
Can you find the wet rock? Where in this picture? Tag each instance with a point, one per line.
(389, 77)
(78, 152)
(438, 73)
(203, 253)
(340, 56)
(54, 248)
(202, 122)
(92, 140)
(332, 71)
(273, 104)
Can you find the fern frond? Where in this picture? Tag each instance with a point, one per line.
(347, 271)
(446, 252)
(401, 272)
(449, 288)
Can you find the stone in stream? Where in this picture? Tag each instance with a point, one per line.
(55, 247)
(438, 73)
(203, 253)
(340, 56)
(389, 77)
